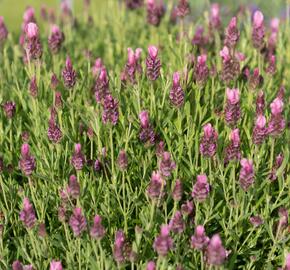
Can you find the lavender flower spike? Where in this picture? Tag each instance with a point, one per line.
(27, 215)
(277, 122)
(151, 265)
(110, 110)
(55, 265)
(230, 67)
(153, 63)
(215, 19)
(9, 108)
(199, 240)
(156, 186)
(233, 151)
(166, 165)
(183, 8)
(55, 39)
(176, 223)
(146, 133)
(258, 30)
(3, 31)
(232, 34)
(69, 74)
(246, 174)
(260, 130)
(163, 243)
(33, 46)
(78, 222)
(97, 231)
(54, 133)
(215, 252)
(119, 247)
(122, 160)
(155, 11)
(201, 69)
(177, 191)
(101, 86)
(232, 109)
(17, 265)
(176, 94)
(78, 158)
(208, 143)
(27, 161)
(201, 188)
(73, 188)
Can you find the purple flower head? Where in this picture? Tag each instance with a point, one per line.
(31, 30)
(69, 75)
(134, 4)
(78, 222)
(232, 108)
(255, 79)
(187, 208)
(277, 122)
(198, 38)
(27, 161)
(201, 188)
(215, 252)
(176, 223)
(54, 82)
(17, 265)
(33, 87)
(55, 265)
(166, 165)
(271, 69)
(58, 100)
(27, 214)
(144, 119)
(246, 174)
(54, 133)
(73, 188)
(3, 31)
(153, 63)
(208, 143)
(9, 108)
(133, 65)
(199, 240)
(201, 69)
(55, 39)
(183, 8)
(260, 103)
(258, 30)
(160, 149)
(122, 160)
(260, 130)
(156, 186)
(232, 33)
(233, 150)
(101, 86)
(29, 15)
(33, 46)
(110, 110)
(176, 94)
(256, 221)
(225, 54)
(78, 159)
(163, 243)
(151, 265)
(119, 247)
(97, 165)
(97, 67)
(155, 11)
(215, 20)
(177, 191)
(146, 133)
(97, 231)
(230, 67)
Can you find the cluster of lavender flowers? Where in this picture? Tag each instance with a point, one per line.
(168, 184)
